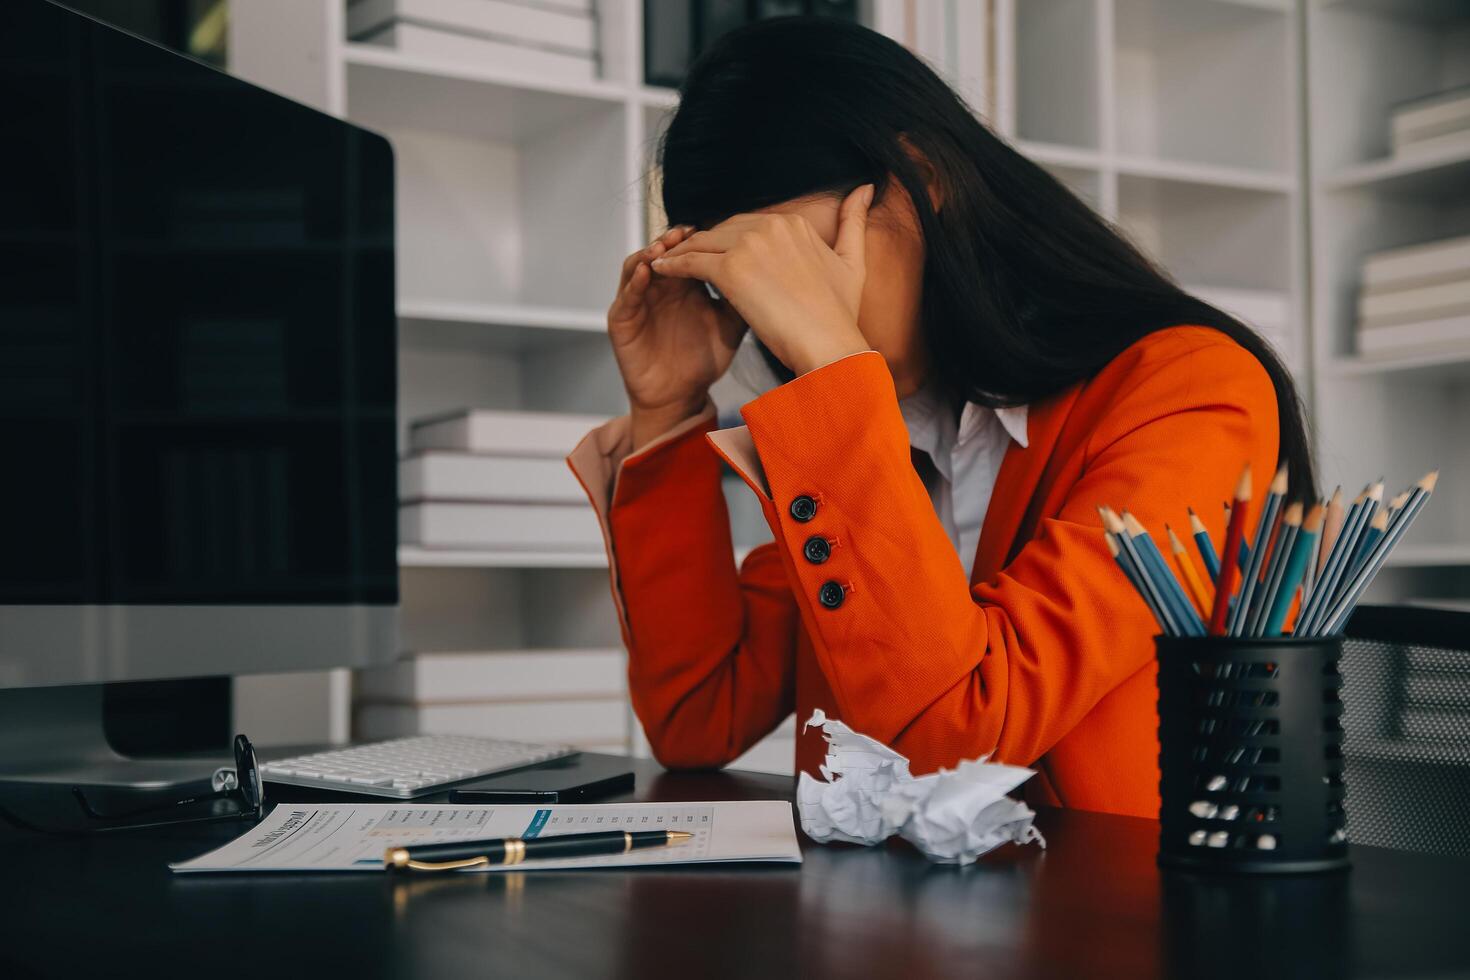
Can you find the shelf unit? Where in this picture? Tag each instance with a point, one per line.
(1176, 120)
(1194, 125)
(517, 198)
(1410, 412)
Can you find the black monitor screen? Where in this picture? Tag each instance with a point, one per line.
(197, 335)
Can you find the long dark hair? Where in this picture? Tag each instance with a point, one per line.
(1026, 291)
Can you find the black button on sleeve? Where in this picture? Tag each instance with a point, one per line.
(831, 594)
(817, 549)
(803, 508)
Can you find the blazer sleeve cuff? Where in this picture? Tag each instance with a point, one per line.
(598, 462)
(814, 423)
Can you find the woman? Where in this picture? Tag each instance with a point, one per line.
(973, 362)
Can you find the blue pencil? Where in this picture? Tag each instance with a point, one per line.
(1334, 619)
(1281, 553)
(1322, 597)
(1151, 588)
(1264, 526)
(1133, 579)
(1296, 567)
(1205, 546)
(1377, 527)
(1173, 592)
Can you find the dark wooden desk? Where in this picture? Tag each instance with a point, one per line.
(1092, 904)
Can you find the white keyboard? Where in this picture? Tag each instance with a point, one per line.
(409, 767)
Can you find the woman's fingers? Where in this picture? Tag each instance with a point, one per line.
(689, 265)
(631, 296)
(638, 282)
(651, 251)
(717, 239)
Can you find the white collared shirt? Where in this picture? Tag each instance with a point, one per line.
(966, 455)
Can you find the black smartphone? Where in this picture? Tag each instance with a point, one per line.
(575, 780)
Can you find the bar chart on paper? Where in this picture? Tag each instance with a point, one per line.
(354, 836)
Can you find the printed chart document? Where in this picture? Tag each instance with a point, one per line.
(354, 836)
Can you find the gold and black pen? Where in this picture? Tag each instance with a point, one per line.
(453, 855)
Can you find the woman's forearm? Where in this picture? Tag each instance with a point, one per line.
(710, 649)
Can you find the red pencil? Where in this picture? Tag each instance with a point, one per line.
(1233, 535)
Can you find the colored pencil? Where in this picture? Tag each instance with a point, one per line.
(1296, 567)
(1325, 594)
(1319, 550)
(1151, 589)
(1243, 553)
(1321, 588)
(1290, 528)
(1234, 532)
(1396, 506)
(1204, 545)
(1376, 528)
(1173, 591)
(1264, 528)
(1128, 571)
(1331, 528)
(1197, 588)
(1337, 617)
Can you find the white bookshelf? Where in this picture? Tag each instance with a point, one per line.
(517, 198)
(1177, 120)
(1410, 412)
(1192, 124)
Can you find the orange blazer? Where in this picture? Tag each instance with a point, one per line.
(860, 607)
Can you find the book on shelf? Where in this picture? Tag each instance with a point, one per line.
(520, 59)
(1431, 121)
(1416, 299)
(501, 527)
(497, 432)
(1385, 307)
(477, 478)
(507, 21)
(1415, 265)
(1447, 335)
(519, 675)
(596, 724)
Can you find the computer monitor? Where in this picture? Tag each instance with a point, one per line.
(197, 381)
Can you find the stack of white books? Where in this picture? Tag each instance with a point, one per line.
(574, 697)
(1416, 300)
(1442, 119)
(547, 38)
(488, 481)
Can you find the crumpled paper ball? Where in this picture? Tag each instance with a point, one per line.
(952, 816)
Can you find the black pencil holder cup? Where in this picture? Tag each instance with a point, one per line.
(1250, 754)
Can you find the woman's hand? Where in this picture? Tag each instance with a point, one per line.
(670, 339)
(800, 296)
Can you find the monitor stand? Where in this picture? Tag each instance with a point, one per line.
(54, 736)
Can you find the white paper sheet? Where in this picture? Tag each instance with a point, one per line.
(953, 816)
(354, 836)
